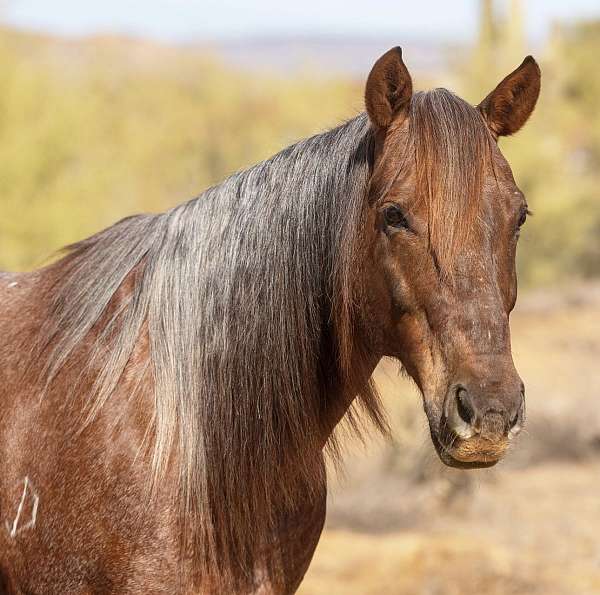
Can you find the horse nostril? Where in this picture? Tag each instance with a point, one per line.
(463, 405)
(459, 413)
(516, 423)
(515, 420)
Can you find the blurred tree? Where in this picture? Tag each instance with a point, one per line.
(515, 33)
(479, 76)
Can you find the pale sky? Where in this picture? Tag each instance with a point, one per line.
(185, 20)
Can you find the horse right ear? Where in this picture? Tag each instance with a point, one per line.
(510, 104)
(388, 90)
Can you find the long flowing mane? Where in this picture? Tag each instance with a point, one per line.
(248, 296)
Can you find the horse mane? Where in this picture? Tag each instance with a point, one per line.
(247, 294)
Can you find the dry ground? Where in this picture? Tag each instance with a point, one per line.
(400, 523)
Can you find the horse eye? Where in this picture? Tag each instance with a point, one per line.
(394, 217)
(523, 216)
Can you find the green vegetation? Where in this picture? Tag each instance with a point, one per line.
(100, 130)
(93, 131)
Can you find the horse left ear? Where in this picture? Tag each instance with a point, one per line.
(510, 104)
(388, 90)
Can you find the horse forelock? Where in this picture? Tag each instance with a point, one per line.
(452, 149)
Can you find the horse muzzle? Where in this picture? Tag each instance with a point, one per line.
(475, 430)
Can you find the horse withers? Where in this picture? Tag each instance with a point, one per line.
(170, 387)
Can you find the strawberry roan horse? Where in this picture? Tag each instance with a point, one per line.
(169, 387)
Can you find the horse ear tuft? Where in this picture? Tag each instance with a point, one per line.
(388, 90)
(511, 103)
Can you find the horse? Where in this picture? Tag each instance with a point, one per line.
(172, 386)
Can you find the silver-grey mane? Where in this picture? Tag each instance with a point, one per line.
(247, 295)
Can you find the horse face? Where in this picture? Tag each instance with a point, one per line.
(443, 279)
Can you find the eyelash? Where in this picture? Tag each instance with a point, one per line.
(523, 217)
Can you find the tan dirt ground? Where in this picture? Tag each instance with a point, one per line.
(401, 523)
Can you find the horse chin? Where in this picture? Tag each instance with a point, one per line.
(450, 456)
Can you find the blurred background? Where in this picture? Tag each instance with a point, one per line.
(116, 107)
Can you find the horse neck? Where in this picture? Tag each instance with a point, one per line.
(340, 394)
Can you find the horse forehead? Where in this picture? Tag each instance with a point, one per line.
(500, 197)
(474, 267)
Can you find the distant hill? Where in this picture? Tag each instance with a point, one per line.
(350, 56)
(313, 56)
